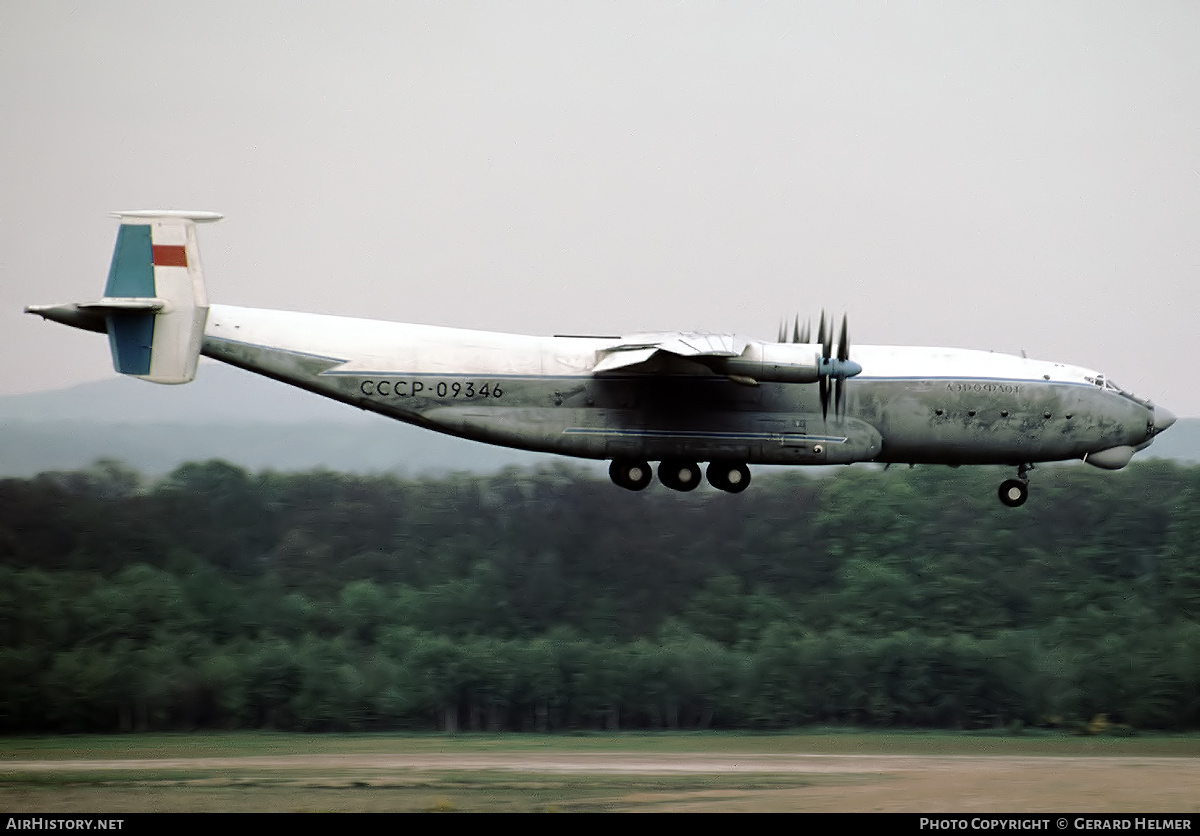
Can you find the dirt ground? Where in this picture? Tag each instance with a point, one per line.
(625, 782)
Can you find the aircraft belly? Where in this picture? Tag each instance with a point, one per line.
(582, 416)
(587, 432)
(608, 433)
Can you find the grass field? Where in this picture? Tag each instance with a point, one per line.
(831, 770)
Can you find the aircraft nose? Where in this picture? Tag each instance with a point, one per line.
(1163, 419)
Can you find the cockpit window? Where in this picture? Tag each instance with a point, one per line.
(1108, 386)
(1104, 383)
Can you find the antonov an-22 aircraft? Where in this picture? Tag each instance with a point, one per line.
(676, 398)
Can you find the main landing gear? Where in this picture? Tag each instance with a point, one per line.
(731, 477)
(1014, 492)
(679, 475)
(634, 475)
(629, 474)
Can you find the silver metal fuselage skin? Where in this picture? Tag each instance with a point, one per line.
(908, 405)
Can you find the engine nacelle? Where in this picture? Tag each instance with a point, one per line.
(784, 363)
(774, 363)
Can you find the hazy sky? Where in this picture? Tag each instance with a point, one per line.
(1002, 175)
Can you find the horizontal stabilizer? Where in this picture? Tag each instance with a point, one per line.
(150, 304)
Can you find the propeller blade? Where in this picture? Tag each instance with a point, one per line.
(782, 331)
(844, 342)
(823, 383)
(839, 398)
(825, 338)
(796, 329)
(806, 334)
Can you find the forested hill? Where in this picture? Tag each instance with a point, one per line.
(551, 600)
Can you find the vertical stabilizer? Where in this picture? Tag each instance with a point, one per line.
(155, 304)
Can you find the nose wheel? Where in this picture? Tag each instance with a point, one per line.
(1014, 492)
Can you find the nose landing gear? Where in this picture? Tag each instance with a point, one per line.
(1014, 492)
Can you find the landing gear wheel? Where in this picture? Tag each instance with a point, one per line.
(733, 478)
(630, 474)
(1014, 492)
(679, 476)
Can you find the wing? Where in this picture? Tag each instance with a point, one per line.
(667, 353)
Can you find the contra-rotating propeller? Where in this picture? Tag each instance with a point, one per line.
(798, 335)
(843, 356)
(833, 370)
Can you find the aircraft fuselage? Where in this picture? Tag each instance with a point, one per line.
(908, 405)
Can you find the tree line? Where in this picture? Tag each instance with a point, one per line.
(548, 600)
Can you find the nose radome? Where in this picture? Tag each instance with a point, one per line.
(1163, 419)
